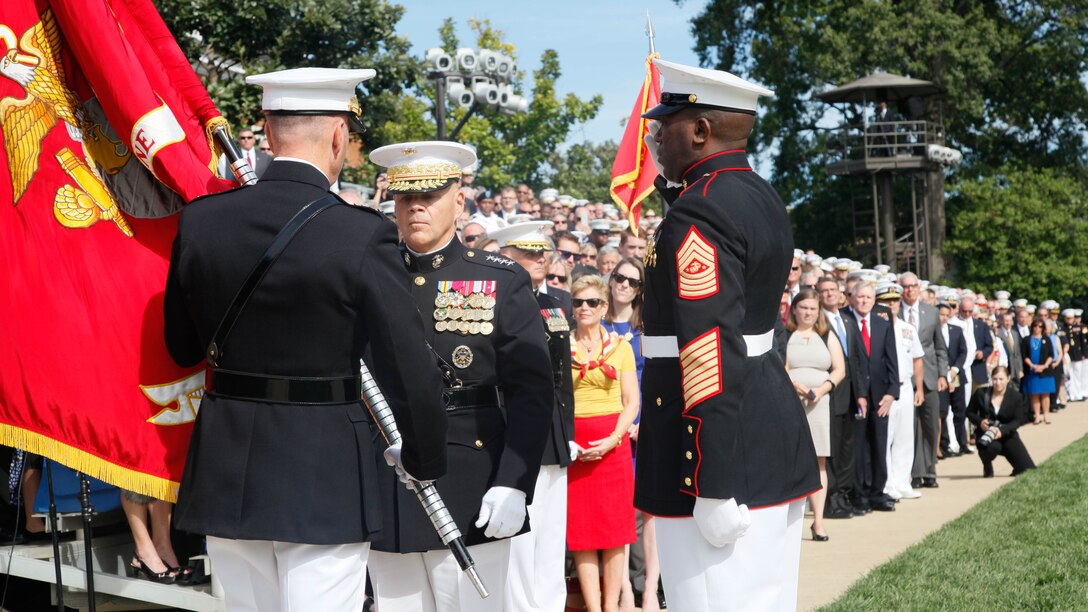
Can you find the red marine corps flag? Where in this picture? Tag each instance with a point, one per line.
(633, 172)
(105, 132)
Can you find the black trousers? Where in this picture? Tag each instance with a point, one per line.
(840, 465)
(871, 456)
(1012, 448)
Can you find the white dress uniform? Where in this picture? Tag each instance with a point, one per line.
(900, 451)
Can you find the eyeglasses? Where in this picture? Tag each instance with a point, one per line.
(246, 137)
(621, 279)
(471, 239)
(593, 302)
(561, 277)
(570, 255)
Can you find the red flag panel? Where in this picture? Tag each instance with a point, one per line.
(633, 172)
(105, 138)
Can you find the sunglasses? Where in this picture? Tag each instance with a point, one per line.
(620, 279)
(593, 302)
(795, 268)
(570, 255)
(246, 137)
(471, 239)
(562, 278)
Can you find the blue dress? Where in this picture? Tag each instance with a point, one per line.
(1035, 383)
(634, 337)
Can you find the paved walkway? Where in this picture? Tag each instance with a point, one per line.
(860, 544)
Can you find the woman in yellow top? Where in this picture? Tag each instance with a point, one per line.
(600, 483)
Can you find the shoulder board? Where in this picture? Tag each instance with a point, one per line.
(217, 193)
(487, 258)
(366, 209)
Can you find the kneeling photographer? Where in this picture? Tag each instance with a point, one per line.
(997, 412)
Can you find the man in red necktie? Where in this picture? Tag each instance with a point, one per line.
(880, 373)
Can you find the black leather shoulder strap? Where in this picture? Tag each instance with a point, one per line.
(256, 275)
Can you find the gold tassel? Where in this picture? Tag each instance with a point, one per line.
(82, 461)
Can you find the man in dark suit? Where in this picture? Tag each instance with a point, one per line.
(280, 474)
(257, 159)
(955, 398)
(879, 366)
(935, 369)
(984, 345)
(1010, 337)
(844, 404)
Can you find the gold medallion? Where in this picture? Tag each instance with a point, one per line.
(455, 313)
(464, 327)
(489, 314)
(440, 326)
(474, 327)
(486, 328)
(420, 280)
(462, 356)
(441, 314)
(489, 302)
(442, 300)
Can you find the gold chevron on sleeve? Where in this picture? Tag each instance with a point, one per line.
(701, 368)
(696, 267)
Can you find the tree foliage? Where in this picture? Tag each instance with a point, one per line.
(1013, 73)
(583, 170)
(1023, 229)
(227, 41)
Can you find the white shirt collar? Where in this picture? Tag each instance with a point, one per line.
(448, 242)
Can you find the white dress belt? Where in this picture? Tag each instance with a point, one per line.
(665, 347)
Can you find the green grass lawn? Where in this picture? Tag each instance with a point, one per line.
(1023, 548)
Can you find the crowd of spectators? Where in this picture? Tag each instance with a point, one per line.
(894, 373)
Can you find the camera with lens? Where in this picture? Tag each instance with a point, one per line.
(989, 436)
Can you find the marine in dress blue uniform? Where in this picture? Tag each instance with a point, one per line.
(280, 473)
(489, 338)
(537, 559)
(724, 440)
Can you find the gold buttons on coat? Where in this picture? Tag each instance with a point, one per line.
(471, 254)
(479, 443)
(420, 280)
(688, 455)
(687, 482)
(691, 429)
(658, 400)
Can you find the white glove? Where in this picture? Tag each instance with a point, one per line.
(574, 450)
(651, 145)
(503, 511)
(721, 521)
(392, 459)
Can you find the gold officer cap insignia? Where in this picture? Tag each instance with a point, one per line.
(693, 98)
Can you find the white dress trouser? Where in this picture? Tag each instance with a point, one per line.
(1080, 370)
(536, 581)
(757, 572)
(900, 454)
(433, 582)
(265, 576)
(1073, 388)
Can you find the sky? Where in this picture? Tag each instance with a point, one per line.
(601, 44)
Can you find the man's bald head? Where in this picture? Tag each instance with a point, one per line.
(319, 139)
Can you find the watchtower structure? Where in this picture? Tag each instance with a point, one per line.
(901, 154)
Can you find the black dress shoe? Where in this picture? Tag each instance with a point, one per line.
(861, 509)
(838, 513)
(988, 471)
(916, 483)
(930, 483)
(884, 506)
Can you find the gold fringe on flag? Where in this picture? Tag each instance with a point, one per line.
(213, 142)
(82, 461)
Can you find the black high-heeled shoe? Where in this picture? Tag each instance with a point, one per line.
(166, 577)
(182, 575)
(817, 537)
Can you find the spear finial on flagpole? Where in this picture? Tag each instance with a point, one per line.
(650, 32)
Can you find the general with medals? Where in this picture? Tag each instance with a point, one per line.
(488, 337)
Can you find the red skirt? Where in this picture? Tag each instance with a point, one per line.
(600, 494)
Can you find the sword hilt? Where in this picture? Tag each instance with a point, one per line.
(427, 494)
